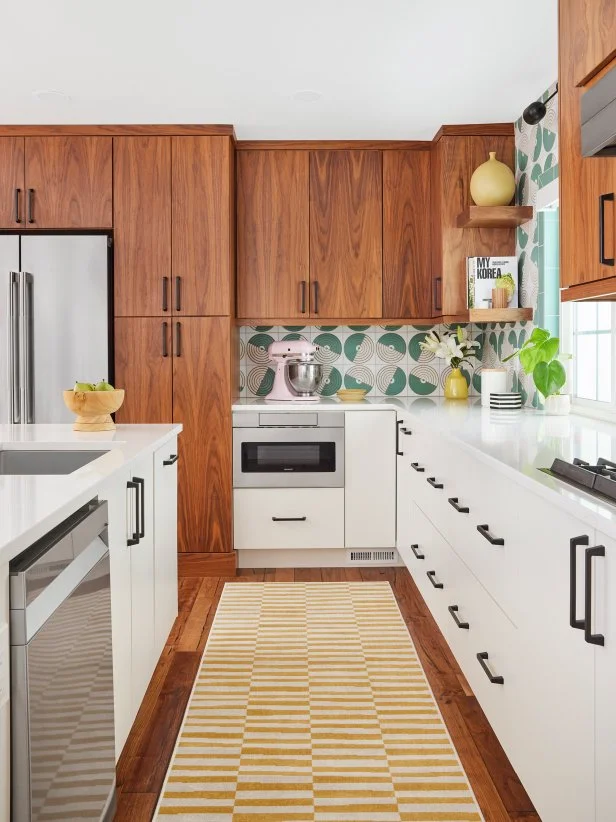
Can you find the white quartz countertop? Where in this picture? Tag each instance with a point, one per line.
(32, 505)
(515, 443)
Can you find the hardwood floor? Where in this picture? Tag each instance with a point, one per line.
(147, 752)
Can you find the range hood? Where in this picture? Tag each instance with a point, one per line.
(598, 116)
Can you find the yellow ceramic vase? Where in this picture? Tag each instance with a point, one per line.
(456, 387)
(492, 183)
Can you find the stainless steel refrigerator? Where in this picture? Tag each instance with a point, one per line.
(55, 319)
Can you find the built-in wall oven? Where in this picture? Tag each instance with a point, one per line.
(288, 449)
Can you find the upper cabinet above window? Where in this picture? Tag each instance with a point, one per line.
(595, 36)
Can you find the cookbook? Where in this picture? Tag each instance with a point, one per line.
(485, 273)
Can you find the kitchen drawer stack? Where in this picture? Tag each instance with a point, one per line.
(502, 571)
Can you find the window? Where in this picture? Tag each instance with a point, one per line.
(591, 340)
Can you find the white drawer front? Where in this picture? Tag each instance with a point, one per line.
(288, 518)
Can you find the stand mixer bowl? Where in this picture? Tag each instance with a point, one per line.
(305, 377)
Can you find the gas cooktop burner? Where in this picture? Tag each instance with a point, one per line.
(598, 480)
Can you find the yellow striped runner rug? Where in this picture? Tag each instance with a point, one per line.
(311, 706)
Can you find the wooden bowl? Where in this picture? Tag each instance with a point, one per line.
(351, 394)
(94, 408)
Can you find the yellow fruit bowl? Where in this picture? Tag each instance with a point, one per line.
(94, 408)
(351, 394)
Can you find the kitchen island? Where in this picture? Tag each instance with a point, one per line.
(143, 575)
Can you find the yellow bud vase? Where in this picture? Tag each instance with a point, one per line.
(456, 387)
(492, 183)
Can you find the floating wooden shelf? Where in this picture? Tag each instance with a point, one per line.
(494, 216)
(499, 315)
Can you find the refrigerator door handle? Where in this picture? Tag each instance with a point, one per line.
(13, 347)
(27, 376)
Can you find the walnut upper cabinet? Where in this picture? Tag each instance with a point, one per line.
(55, 182)
(454, 158)
(202, 185)
(142, 219)
(272, 234)
(595, 36)
(406, 234)
(346, 228)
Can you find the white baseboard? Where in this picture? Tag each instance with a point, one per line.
(310, 558)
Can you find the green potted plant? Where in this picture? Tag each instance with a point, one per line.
(540, 357)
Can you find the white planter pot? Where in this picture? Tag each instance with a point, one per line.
(557, 405)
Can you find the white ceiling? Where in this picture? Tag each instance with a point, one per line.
(386, 68)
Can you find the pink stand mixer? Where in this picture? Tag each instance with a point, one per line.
(297, 374)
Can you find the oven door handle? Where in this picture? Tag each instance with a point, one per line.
(288, 519)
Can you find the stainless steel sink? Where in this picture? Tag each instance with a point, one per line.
(18, 462)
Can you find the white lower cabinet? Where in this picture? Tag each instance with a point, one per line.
(507, 593)
(288, 518)
(165, 542)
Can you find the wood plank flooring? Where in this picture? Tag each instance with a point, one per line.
(144, 761)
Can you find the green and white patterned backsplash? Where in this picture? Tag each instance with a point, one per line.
(386, 360)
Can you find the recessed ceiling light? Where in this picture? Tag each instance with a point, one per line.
(307, 96)
(50, 94)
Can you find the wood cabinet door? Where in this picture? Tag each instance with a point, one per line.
(272, 234)
(68, 182)
(406, 234)
(202, 199)
(346, 224)
(142, 220)
(594, 37)
(202, 403)
(12, 195)
(143, 368)
(583, 180)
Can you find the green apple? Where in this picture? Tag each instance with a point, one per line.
(83, 386)
(103, 385)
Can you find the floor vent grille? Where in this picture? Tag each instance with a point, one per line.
(372, 556)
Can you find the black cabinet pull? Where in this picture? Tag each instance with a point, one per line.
(141, 526)
(132, 486)
(17, 214)
(178, 293)
(165, 293)
(406, 432)
(495, 680)
(432, 481)
(592, 639)
(603, 199)
(484, 530)
(436, 303)
(398, 451)
(288, 519)
(453, 610)
(454, 502)
(315, 305)
(417, 552)
(178, 339)
(417, 467)
(431, 576)
(164, 326)
(574, 543)
(302, 299)
(173, 458)
(30, 205)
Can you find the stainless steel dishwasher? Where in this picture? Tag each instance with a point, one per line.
(62, 734)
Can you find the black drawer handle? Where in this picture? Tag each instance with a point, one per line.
(132, 486)
(574, 543)
(288, 519)
(417, 552)
(461, 509)
(495, 680)
(484, 530)
(432, 481)
(592, 639)
(406, 432)
(602, 201)
(173, 458)
(453, 610)
(398, 429)
(417, 467)
(141, 483)
(431, 576)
